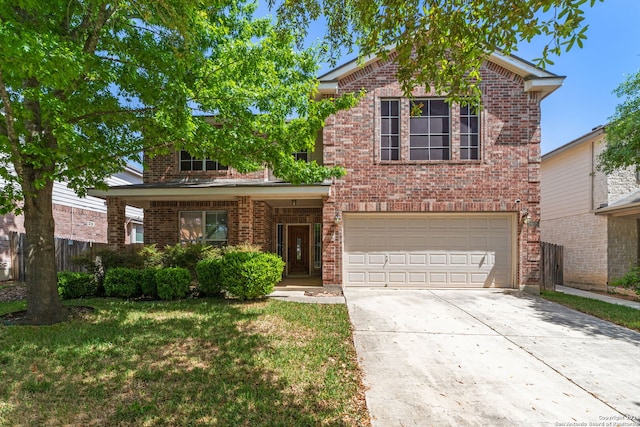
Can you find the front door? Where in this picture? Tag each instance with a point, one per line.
(298, 252)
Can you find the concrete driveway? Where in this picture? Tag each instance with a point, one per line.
(491, 358)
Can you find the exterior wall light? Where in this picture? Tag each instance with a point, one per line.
(337, 219)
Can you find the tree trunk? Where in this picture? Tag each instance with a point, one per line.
(44, 306)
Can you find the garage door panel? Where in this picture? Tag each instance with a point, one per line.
(398, 259)
(376, 259)
(437, 259)
(432, 250)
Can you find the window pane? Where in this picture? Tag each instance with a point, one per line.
(185, 166)
(184, 155)
(439, 125)
(419, 125)
(419, 154)
(419, 141)
(317, 245)
(190, 227)
(216, 226)
(384, 154)
(439, 141)
(440, 154)
(439, 108)
(395, 154)
(473, 124)
(385, 126)
(197, 165)
(384, 108)
(420, 108)
(210, 165)
(395, 108)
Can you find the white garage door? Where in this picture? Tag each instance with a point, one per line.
(429, 250)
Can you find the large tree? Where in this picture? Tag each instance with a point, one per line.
(441, 44)
(623, 130)
(86, 85)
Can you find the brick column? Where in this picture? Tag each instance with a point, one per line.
(116, 220)
(331, 244)
(245, 219)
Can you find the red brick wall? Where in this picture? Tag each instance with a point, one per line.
(70, 223)
(508, 169)
(263, 231)
(161, 220)
(167, 168)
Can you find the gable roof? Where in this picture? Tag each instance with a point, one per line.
(535, 79)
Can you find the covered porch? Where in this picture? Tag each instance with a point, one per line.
(276, 216)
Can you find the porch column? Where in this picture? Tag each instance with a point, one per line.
(116, 220)
(245, 219)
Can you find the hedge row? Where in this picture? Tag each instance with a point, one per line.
(241, 272)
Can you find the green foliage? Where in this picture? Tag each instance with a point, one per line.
(622, 132)
(440, 44)
(151, 256)
(173, 283)
(187, 256)
(106, 259)
(91, 85)
(122, 282)
(76, 285)
(208, 274)
(250, 275)
(148, 285)
(631, 280)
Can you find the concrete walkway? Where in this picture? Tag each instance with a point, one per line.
(491, 358)
(593, 295)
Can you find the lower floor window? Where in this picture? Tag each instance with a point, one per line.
(208, 227)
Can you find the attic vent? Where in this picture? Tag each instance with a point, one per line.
(603, 205)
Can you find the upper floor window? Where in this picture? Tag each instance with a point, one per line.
(429, 130)
(301, 155)
(190, 163)
(469, 134)
(433, 131)
(390, 129)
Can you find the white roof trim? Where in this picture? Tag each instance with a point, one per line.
(537, 79)
(214, 193)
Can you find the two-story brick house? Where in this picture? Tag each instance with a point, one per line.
(448, 197)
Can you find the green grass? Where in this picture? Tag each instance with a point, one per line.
(191, 362)
(615, 313)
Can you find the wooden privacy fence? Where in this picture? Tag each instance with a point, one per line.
(551, 266)
(66, 250)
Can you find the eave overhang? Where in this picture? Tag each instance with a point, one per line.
(142, 195)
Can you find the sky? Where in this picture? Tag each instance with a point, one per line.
(586, 100)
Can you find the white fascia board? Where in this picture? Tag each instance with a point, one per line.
(544, 85)
(216, 193)
(518, 66)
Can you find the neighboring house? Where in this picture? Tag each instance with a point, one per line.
(592, 215)
(431, 200)
(83, 219)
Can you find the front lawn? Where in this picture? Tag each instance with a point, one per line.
(190, 362)
(615, 313)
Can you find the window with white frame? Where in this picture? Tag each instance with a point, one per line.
(302, 156)
(208, 227)
(191, 163)
(137, 233)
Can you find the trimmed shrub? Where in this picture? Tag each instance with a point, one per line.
(148, 285)
(631, 280)
(173, 283)
(122, 282)
(250, 275)
(187, 256)
(208, 273)
(76, 285)
(151, 256)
